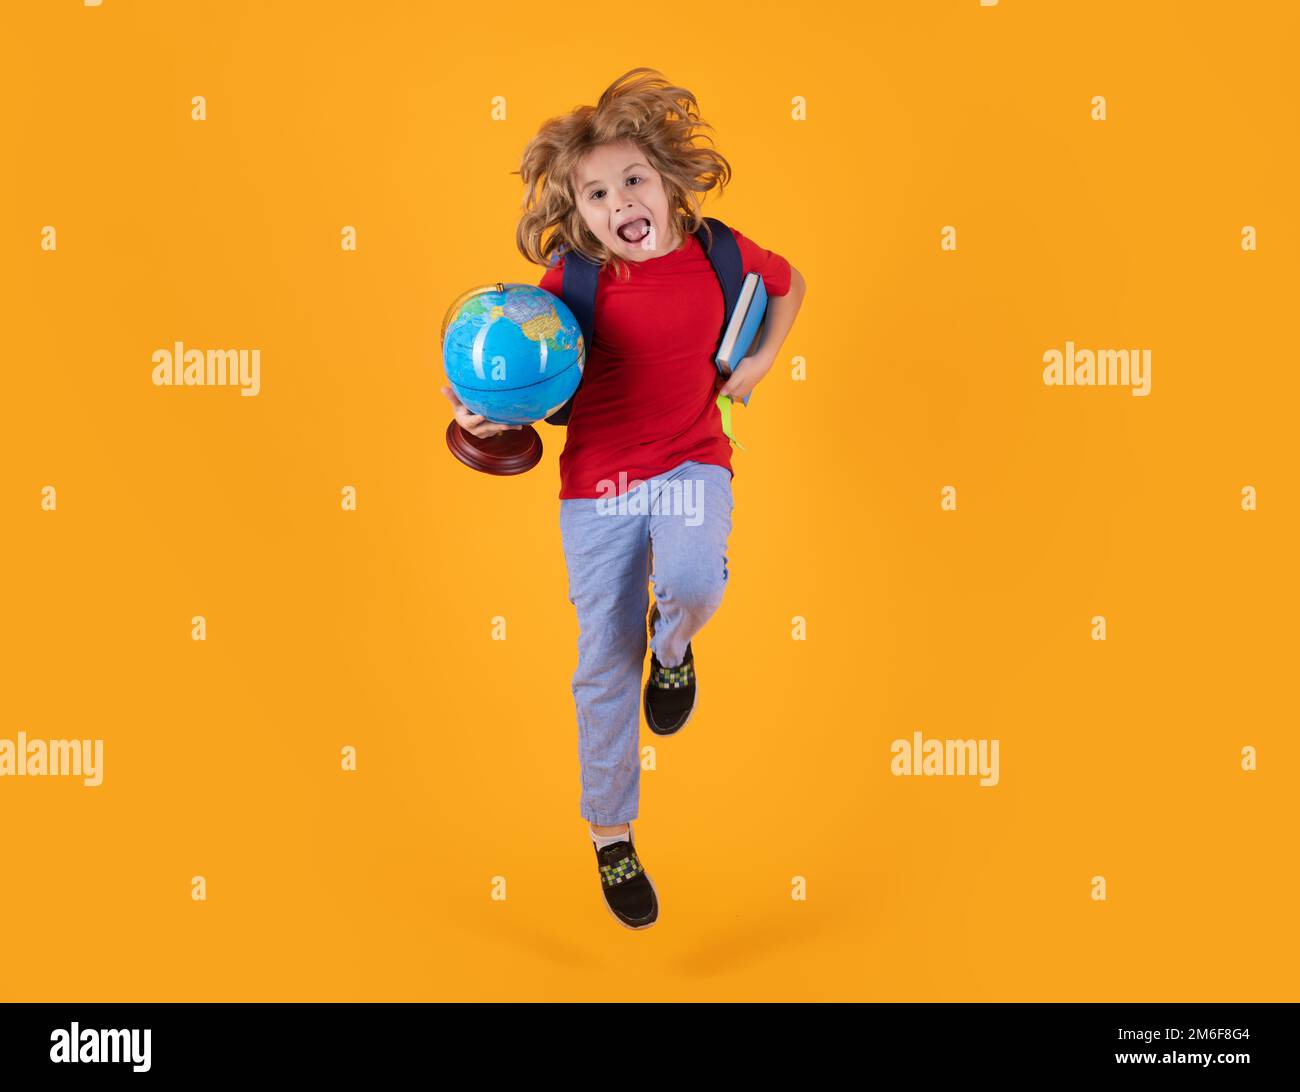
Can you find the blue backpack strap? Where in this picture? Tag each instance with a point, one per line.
(579, 294)
(727, 263)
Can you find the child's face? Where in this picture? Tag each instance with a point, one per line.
(617, 188)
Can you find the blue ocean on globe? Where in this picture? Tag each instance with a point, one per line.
(513, 352)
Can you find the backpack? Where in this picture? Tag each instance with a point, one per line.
(579, 291)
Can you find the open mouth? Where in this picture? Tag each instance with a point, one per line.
(634, 230)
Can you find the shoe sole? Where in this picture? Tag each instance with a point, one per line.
(659, 912)
(695, 701)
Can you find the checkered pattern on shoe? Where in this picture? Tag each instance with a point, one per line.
(619, 866)
(672, 678)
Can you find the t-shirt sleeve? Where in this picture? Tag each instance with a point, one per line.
(773, 268)
(553, 279)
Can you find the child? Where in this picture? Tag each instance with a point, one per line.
(646, 469)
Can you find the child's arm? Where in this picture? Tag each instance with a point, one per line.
(781, 311)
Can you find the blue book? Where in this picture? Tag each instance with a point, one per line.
(743, 328)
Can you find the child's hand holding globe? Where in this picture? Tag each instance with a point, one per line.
(474, 423)
(513, 355)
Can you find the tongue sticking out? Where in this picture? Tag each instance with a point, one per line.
(634, 231)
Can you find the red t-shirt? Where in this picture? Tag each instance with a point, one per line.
(649, 388)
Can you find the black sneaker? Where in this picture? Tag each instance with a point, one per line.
(670, 694)
(629, 894)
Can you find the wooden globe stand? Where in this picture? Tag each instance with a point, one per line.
(511, 452)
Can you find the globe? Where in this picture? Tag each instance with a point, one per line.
(512, 352)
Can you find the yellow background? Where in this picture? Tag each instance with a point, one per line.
(327, 628)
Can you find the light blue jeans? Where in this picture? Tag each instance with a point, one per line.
(675, 528)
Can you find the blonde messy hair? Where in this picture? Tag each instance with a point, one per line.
(643, 107)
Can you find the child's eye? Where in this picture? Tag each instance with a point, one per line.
(595, 194)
